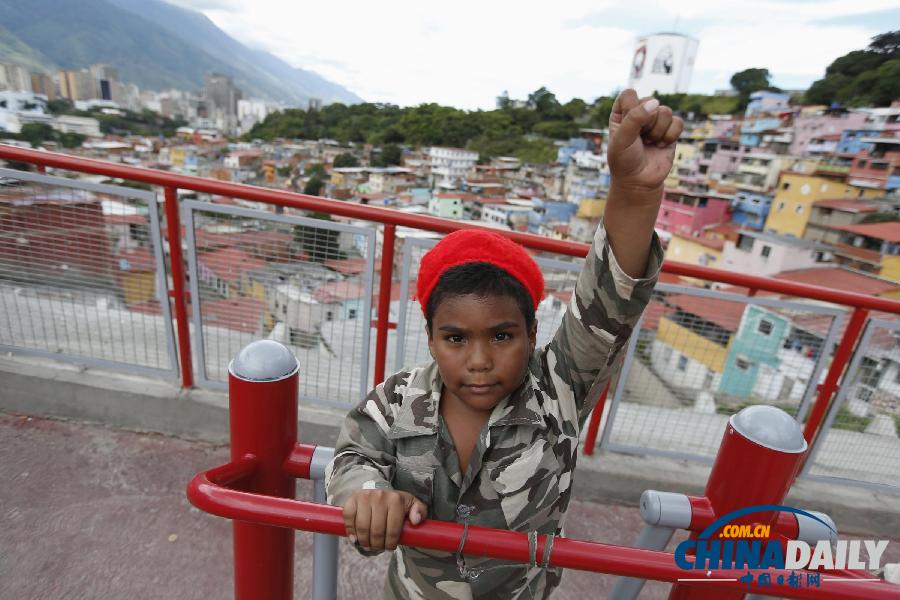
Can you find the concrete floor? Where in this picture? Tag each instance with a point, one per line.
(88, 512)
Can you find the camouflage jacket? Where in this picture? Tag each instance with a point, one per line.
(520, 473)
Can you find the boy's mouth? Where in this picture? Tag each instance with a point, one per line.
(480, 388)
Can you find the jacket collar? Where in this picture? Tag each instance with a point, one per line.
(419, 408)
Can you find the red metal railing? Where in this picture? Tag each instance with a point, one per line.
(391, 219)
(256, 491)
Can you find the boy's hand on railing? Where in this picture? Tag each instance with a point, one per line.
(642, 136)
(374, 518)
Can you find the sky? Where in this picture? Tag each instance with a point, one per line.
(465, 53)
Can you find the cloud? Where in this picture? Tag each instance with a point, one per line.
(467, 53)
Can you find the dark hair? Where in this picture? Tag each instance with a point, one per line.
(481, 279)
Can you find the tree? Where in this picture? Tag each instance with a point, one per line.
(314, 186)
(315, 170)
(344, 160)
(391, 154)
(862, 77)
(748, 81)
(37, 133)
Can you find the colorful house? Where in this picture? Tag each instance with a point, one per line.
(694, 250)
(794, 198)
(691, 347)
(754, 350)
(877, 167)
(829, 214)
(688, 213)
(135, 272)
(765, 254)
(870, 247)
(750, 210)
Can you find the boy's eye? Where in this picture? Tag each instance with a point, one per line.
(454, 339)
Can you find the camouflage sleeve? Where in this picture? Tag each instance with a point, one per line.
(605, 307)
(364, 457)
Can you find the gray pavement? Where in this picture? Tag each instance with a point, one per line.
(95, 512)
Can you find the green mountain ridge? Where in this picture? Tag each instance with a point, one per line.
(151, 43)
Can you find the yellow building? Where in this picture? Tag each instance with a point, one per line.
(695, 251)
(591, 208)
(135, 269)
(795, 195)
(890, 268)
(684, 153)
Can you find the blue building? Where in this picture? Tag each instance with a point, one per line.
(750, 210)
(851, 140)
(751, 131)
(763, 103)
(564, 154)
(549, 211)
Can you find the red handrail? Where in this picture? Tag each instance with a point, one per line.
(429, 223)
(207, 492)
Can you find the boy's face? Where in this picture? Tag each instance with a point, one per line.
(481, 345)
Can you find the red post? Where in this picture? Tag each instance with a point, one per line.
(841, 357)
(173, 232)
(262, 394)
(384, 300)
(760, 453)
(590, 438)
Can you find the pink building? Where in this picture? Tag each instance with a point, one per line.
(687, 213)
(822, 126)
(720, 157)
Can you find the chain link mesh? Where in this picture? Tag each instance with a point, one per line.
(863, 441)
(78, 273)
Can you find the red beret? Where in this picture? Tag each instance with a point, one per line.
(478, 245)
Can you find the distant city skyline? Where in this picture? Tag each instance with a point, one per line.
(408, 53)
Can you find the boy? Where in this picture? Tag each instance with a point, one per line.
(487, 434)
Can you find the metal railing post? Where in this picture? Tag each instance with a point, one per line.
(262, 394)
(761, 452)
(384, 300)
(325, 547)
(178, 294)
(841, 356)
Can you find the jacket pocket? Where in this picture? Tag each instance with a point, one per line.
(417, 480)
(528, 485)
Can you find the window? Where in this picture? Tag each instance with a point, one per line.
(682, 362)
(879, 166)
(786, 185)
(766, 250)
(745, 243)
(798, 209)
(861, 163)
(764, 327)
(742, 364)
(351, 314)
(667, 356)
(780, 206)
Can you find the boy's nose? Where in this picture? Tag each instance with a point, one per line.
(479, 358)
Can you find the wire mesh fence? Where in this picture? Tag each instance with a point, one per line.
(861, 439)
(81, 273)
(306, 283)
(702, 355)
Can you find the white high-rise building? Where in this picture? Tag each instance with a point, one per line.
(449, 165)
(662, 62)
